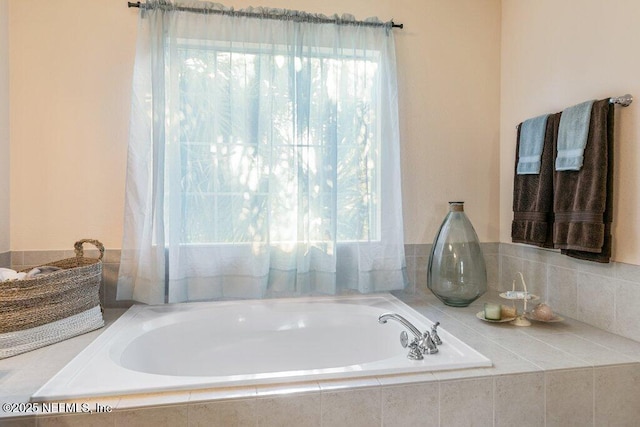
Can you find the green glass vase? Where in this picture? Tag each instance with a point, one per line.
(457, 273)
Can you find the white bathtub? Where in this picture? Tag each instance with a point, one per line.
(221, 344)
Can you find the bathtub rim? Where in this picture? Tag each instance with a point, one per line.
(345, 379)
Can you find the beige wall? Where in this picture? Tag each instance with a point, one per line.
(71, 66)
(556, 54)
(4, 128)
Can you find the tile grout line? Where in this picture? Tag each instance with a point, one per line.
(593, 397)
(544, 394)
(439, 404)
(493, 400)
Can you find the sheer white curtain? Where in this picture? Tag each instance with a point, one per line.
(263, 157)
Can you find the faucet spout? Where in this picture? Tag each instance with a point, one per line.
(386, 316)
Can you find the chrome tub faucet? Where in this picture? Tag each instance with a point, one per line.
(423, 343)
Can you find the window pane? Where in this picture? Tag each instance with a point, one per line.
(276, 147)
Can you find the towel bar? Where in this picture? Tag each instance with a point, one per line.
(624, 100)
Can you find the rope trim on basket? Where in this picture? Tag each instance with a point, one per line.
(13, 343)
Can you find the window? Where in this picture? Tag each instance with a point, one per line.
(264, 136)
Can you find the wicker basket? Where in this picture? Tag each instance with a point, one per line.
(52, 307)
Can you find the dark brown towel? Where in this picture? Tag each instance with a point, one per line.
(533, 194)
(583, 200)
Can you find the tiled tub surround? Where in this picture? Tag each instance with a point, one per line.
(567, 373)
(603, 295)
(560, 374)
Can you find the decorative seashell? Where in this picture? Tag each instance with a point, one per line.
(542, 312)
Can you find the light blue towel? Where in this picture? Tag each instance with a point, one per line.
(532, 134)
(572, 136)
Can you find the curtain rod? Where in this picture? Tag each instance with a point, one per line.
(260, 15)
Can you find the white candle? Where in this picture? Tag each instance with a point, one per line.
(491, 311)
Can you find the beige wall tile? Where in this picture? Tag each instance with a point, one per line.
(569, 398)
(627, 304)
(111, 256)
(519, 400)
(411, 274)
(421, 274)
(174, 416)
(295, 410)
(615, 343)
(600, 269)
(411, 405)
(562, 290)
(110, 286)
(352, 408)
(17, 258)
(627, 272)
(26, 421)
(31, 258)
(541, 354)
(5, 260)
(466, 402)
(237, 413)
(596, 300)
(512, 250)
(534, 253)
(591, 352)
(509, 266)
(493, 271)
(617, 396)
(409, 250)
(78, 420)
(535, 275)
(423, 250)
(490, 248)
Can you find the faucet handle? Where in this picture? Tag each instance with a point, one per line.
(434, 334)
(428, 344)
(404, 339)
(416, 351)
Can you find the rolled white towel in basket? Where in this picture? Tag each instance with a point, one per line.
(9, 274)
(45, 269)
